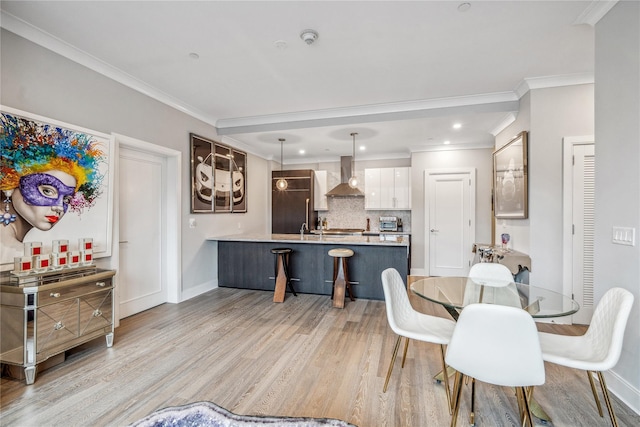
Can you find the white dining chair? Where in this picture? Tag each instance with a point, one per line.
(491, 271)
(599, 348)
(405, 321)
(498, 285)
(498, 345)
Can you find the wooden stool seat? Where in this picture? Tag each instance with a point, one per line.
(341, 253)
(283, 278)
(340, 276)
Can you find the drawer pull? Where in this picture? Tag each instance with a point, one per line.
(97, 313)
(101, 284)
(55, 294)
(58, 326)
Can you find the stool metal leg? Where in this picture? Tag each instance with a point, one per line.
(288, 275)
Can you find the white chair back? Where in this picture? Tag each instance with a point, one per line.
(400, 314)
(492, 273)
(497, 345)
(606, 331)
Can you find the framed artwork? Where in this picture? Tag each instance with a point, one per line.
(56, 183)
(510, 179)
(218, 172)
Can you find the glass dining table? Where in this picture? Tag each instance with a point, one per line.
(454, 293)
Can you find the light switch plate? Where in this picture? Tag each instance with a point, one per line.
(624, 236)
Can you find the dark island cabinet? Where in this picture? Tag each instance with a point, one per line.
(250, 265)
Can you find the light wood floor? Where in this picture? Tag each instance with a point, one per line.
(299, 358)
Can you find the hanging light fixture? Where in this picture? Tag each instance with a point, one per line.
(353, 181)
(281, 184)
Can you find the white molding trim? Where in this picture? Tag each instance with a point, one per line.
(506, 121)
(54, 44)
(623, 390)
(567, 212)
(173, 205)
(200, 289)
(426, 174)
(531, 83)
(366, 110)
(595, 12)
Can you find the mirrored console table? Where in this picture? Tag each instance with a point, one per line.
(44, 314)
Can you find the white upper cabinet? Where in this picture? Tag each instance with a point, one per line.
(387, 188)
(319, 198)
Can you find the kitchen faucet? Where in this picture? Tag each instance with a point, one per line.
(303, 228)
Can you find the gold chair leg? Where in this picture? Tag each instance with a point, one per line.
(527, 418)
(457, 387)
(590, 375)
(404, 355)
(607, 400)
(472, 412)
(445, 374)
(393, 359)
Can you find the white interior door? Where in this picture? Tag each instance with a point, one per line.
(583, 231)
(142, 218)
(450, 221)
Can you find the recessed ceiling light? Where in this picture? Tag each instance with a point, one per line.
(280, 44)
(457, 125)
(194, 55)
(301, 151)
(447, 142)
(362, 148)
(463, 7)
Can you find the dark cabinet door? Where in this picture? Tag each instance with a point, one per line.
(290, 211)
(292, 207)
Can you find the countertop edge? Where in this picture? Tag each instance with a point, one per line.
(398, 240)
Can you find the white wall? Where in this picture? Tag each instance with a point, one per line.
(548, 115)
(617, 133)
(41, 82)
(481, 161)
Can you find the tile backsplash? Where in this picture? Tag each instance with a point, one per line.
(349, 212)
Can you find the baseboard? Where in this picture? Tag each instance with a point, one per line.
(199, 290)
(623, 390)
(418, 272)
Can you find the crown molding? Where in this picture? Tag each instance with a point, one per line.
(506, 121)
(595, 12)
(553, 81)
(25, 30)
(366, 113)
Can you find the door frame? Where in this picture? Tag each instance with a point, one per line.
(568, 143)
(172, 257)
(472, 208)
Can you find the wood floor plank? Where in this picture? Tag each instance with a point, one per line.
(298, 358)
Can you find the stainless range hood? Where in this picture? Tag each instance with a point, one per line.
(343, 189)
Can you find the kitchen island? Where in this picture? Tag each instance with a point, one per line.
(245, 261)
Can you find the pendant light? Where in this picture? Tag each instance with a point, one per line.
(353, 181)
(281, 184)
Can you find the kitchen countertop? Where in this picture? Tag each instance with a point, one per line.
(383, 240)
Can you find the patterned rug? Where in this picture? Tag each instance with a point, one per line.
(207, 414)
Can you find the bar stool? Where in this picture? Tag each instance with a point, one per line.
(340, 276)
(283, 278)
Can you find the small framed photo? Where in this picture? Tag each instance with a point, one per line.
(510, 184)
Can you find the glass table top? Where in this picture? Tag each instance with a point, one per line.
(456, 292)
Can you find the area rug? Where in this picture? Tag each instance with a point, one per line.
(207, 414)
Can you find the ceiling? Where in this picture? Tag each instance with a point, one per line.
(400, 74)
